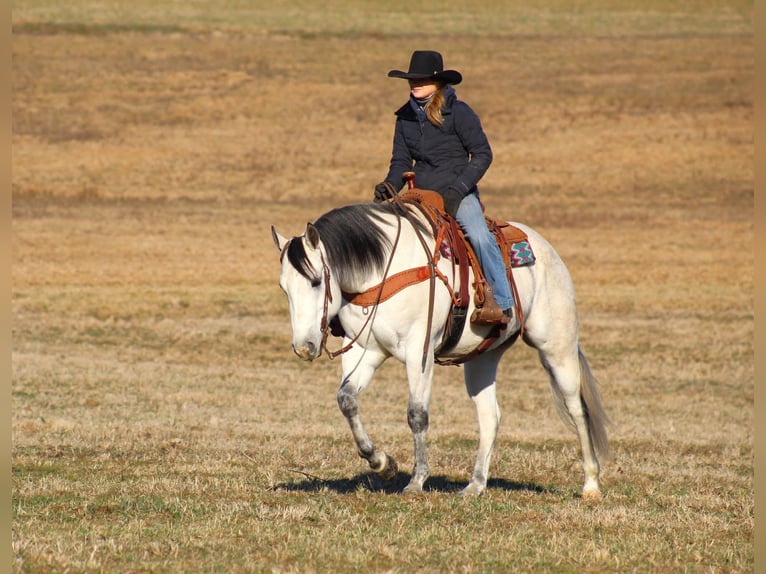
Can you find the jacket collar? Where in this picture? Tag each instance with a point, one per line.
(407, 111)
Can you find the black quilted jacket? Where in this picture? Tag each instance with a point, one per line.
(457, 154)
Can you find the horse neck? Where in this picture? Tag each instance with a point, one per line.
(407, 252)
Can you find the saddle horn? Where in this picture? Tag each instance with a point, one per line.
(409, 177)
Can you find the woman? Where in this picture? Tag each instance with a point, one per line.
(440, 138)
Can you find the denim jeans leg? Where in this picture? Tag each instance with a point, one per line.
(471, 220)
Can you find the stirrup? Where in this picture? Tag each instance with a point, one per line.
(512, 318)
(490, 313)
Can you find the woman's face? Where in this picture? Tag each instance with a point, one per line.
(421, 89)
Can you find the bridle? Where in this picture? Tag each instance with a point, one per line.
(324, 325)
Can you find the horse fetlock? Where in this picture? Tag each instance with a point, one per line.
(477, 485)
(419, 476)
(590, 490)
(366, 450)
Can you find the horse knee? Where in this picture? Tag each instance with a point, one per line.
(348, 403)
(417, 417)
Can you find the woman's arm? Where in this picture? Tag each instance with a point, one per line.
(468, 129)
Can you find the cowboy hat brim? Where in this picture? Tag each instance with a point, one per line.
(447, 76)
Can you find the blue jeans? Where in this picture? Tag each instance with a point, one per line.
(471, 220)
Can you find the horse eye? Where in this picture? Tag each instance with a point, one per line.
(316, 282)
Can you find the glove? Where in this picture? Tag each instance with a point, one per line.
(382, 192)
(452, 198)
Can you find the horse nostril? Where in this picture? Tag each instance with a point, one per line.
(306, 351)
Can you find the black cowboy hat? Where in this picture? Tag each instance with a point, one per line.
(427, 64)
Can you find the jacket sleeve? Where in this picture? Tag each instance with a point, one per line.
(401, 159)
(468, 129)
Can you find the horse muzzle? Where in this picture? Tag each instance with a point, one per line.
(307, 351)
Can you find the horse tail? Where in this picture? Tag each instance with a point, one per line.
(594, 412)
(596, 416)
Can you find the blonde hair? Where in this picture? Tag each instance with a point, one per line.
(434, 106)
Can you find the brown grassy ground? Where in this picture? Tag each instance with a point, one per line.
(160, 422)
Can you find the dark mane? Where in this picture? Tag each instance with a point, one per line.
(354, 241)
(355, 244)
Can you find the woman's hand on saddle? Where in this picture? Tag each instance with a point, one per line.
(383, 191)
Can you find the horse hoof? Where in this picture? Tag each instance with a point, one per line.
(591, 494)
(389, 471)
(412, 489)
(472, 489)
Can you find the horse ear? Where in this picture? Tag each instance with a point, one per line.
(312, 235)
(279, 241)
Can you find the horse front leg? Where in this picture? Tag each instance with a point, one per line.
(359, 366)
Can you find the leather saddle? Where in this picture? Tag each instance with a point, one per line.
(452, 241)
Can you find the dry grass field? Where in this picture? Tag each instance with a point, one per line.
(162, 424)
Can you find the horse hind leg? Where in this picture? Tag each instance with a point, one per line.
(577, 400)
(480, 377)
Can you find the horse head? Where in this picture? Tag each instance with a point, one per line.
(305, 279)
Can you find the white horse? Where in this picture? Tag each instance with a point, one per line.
(351, 250)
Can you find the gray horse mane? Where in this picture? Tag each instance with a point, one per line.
(355, 244)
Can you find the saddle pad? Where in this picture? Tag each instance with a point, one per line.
(522, 254)
(521, 251)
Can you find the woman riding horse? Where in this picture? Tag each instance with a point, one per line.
(440, 138)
